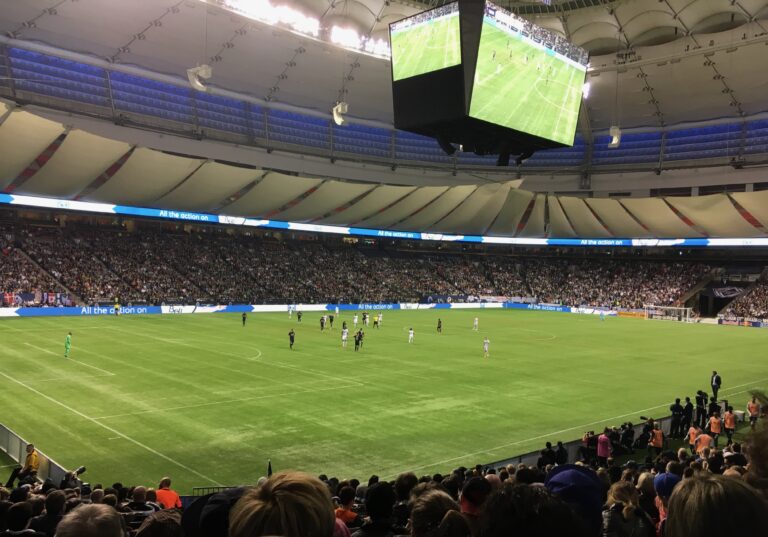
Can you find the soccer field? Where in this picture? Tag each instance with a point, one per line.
(207, 401)
(525, 88)
(426, 47)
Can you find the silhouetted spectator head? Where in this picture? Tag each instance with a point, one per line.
(435, 514)
(347, 496)
(664, 484)
(708, 504)
(379, 500)
(474, 494)
(55, 502)
(404, 484)
(289, 504)
(166, 523)
(524, 510)
(580, 488)
(18, 516)
(91, 521)
(109, 499)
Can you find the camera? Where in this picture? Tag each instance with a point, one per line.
(79, 471)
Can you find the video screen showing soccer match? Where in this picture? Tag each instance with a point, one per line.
(527, 78)
(426, 42)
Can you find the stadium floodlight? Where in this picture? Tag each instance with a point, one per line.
(615, 133)
(338, 112)
(585, 90)
(346, 37)
(196, 75)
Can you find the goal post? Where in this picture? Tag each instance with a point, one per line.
(668, 313)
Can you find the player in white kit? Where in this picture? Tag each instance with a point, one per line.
(337, 310)
(381, 316)
(486, 345)
(354, 320)
(344, 335)
(475, 325)
(410, 335)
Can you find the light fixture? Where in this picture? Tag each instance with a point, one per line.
(196, 75)
(615, 134)
(338, 113)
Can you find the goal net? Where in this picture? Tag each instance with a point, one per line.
(668, 313)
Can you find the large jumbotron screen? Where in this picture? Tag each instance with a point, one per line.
(426, 42)
(527, 78)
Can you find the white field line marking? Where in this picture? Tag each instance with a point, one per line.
(110, 429)
(52, 329)
(106, 373)
(226, 401)
(240, 357)
(542, 436)
(70, 378)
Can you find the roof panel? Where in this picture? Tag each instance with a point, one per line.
(511, 212)
(436, 210)
(23, 136)
(476, 212)
(330, 195)
(584, 222)
(270, 194)
(404, 208)
(376, 200)
(146, 176)
(534, 226)
(80, 159)
(558, 222)
(656, 215)
(616, 218)
(208, 186)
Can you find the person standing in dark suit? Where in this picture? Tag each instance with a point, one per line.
(677, 418)
(715, 381)
(687, 415)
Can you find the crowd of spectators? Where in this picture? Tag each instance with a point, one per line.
(753, 304)
(672, 493)
(156, 267)
(19, 276)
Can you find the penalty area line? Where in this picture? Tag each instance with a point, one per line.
(110, 429)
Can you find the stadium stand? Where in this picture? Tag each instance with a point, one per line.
(154, 267)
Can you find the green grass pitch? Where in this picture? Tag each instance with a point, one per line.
(524, 88)
(426, 47)
(204, 400)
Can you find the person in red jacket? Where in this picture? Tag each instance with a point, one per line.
(167, 497)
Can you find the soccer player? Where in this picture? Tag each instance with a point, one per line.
(376, 323)
(291, 338)
(439, 326)
(715, 426)
(602, 315)
(344, 325)
(357, 341)
(67, 345)
(290, 311)
(337, 310)
(117, 309)
(362, 337)
(354, 320)
(322, 323)
(344, 335)
(366, 317)
(330, 319)
(381, 318)
(753, 408)
(245, 316)
(486, 345)
(298, 316)
(493, 56)
(410, 335)
(475, 324)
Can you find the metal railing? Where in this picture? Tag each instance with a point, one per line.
(15, 447)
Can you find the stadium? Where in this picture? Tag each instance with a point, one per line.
(235, 300)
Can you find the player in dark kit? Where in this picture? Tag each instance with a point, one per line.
(245, 316)
(344, 325)
(298, 316)
(322, 323)
(330, 320)
(357, 341)
(439, 326)
(291, 338)
(362, 336)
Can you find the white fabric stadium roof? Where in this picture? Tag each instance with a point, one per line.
(670, 62)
